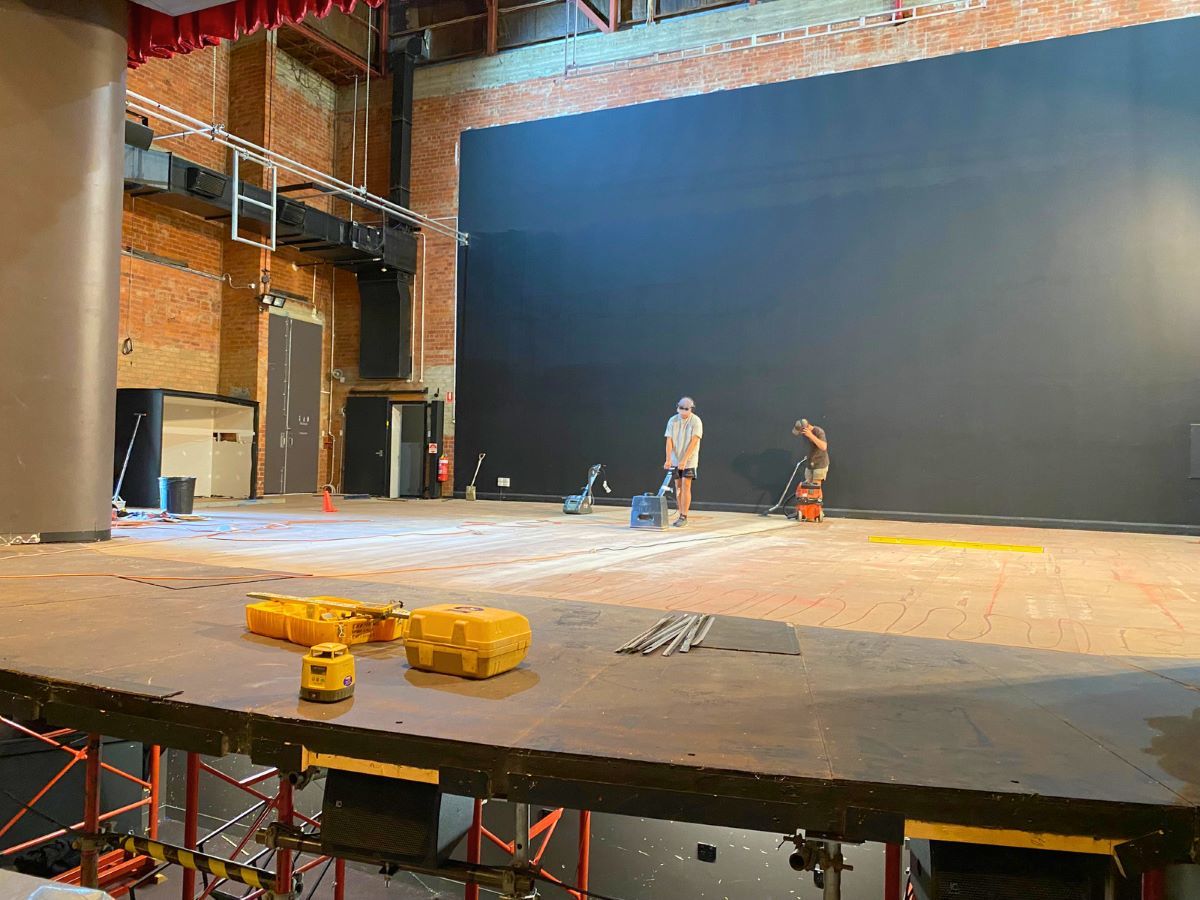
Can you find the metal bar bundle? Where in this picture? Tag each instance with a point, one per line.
(678, 631)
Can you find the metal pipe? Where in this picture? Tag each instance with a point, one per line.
(367, 113)
(630, 644)
(492, 877)
(192, 861)
(690, 638)
(339, 879)
(424, 253)
(191, 813)
(354, 140)
(155, 772)
(285, 808)
(521, 835)
(89, 859)
(263, 156)
(833, 875)
(704, 631)
(665, 635)
(891, 871)
(474, 848)
(585, 850)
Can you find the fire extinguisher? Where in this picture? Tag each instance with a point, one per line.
(443, 469)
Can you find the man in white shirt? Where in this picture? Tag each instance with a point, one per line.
(684, 430)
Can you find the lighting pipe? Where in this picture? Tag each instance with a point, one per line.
(261, 155)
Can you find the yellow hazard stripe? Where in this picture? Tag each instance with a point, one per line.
(1005, 837)
(965, 545)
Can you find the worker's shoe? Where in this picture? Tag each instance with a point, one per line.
(680, 522)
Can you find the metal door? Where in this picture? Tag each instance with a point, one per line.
(304, 407)
(275, 462)
(365, 459)
(293, 406)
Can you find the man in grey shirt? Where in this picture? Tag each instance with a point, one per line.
(684, 430)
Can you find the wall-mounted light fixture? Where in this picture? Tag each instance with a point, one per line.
(277, 298)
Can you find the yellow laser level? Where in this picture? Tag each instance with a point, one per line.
(327, 674)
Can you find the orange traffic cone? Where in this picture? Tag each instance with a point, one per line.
(327, 502)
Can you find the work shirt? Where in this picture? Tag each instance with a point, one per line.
(681, 434)
(818, 458)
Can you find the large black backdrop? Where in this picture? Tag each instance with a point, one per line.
(980, 273)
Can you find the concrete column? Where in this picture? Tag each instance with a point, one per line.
(62, 90)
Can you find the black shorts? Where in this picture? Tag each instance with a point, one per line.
(678, 473)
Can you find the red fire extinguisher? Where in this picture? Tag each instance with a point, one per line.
(443, 469)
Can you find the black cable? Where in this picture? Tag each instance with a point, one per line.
(41, 815)
(320, 878)
(571, 887)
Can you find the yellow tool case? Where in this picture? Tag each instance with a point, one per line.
(309, 621)
(469, 641)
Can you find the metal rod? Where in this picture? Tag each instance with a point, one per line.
(193, 861)
(679, 637)
(656, 632)
(704, 631)
(89, 859)
(582, 871)
(645, 634)
(1154, 885)
(339, 879)
(285, 808)
(486, 876)
(155, 772)
(664, 636)
(833, 875)
(891, 871)
(191, 813)
(691, 634)
(521, 835)
(474, 848)
(263, 156)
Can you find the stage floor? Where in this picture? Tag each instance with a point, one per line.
(980, 685)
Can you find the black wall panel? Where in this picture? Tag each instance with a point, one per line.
(980, 273)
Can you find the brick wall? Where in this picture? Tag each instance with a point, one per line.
(204, 330)
(449, 106)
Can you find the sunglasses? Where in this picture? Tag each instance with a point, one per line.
(684, 408)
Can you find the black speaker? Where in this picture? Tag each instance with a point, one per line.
(391, 819)
(942, 870)
(289, 212)
(205, 182)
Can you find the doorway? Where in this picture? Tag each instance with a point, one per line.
(293, 406)
(407, 450)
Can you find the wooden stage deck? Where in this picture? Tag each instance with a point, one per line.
(914, 696)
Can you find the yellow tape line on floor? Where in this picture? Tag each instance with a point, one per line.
(966, 545)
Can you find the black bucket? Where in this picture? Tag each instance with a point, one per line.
(176, 494)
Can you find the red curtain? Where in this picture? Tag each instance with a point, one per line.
(155, 34)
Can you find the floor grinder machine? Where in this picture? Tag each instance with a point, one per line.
(581, 504)
(650, 510)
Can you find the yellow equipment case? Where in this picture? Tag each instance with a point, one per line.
(468, 641)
